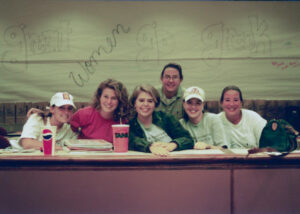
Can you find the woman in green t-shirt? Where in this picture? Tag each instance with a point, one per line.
(205, 128)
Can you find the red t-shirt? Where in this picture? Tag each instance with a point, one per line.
(92, 124)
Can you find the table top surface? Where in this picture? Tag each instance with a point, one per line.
(188, 158)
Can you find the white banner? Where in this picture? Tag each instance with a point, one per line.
(49, 46)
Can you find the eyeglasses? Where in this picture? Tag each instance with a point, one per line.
(167, 77)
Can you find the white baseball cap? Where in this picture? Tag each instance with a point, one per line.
(194, 92)
(62, 98)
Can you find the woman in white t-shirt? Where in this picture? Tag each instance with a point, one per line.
(205, 128)
(59, 115)
(243, 127)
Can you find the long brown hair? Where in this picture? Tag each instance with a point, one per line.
(122, 111)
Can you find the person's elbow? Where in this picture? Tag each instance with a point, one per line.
(26, 143)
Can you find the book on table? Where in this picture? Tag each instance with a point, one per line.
(88, 144)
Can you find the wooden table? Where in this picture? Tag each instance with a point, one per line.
(184, 182)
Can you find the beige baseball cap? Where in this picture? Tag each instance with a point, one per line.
(194, 92)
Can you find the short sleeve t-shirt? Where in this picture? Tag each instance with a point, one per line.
(209, 130)
(246, 133)
(34, 125)
(92, 125)
(155, 134)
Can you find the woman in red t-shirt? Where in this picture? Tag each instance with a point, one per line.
(109, 106)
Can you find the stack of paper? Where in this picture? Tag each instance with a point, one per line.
(88, 145)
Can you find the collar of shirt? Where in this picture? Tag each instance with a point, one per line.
(167, 101)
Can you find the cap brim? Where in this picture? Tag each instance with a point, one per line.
(194, 96)
(66, 103)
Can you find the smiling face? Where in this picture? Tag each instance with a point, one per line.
(171, 81)
(232, 103)
(61, 114)
(108, 102)
(194, 109)
(144, 105)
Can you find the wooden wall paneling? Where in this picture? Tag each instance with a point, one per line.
(212, 106)
(249, 104)
(29, 105)
(293, 102)
(260, 107)
(2, 113)
(21, 110)
(81, 104)
(10, 113)
(274, 109)
(292, 113)
(40, 105)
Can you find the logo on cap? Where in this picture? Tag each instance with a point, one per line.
(66, 96)
(195, 91)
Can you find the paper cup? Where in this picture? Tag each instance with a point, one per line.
(49, 139)
(120, 137)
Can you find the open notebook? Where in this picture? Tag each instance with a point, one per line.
(88, 145)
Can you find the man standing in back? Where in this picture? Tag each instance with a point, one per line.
(171, 92)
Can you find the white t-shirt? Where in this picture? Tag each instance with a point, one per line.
(33, 129)
(247, 132)
(155, 134)
(209, 130)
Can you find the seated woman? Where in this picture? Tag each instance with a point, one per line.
(109, 106)
(152, 131)
(205, 128)
(243, 127)
(61, 111)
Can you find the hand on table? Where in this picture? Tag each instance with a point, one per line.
(162, 149)
(203, 146)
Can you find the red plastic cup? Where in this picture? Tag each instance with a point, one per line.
(120, 137)
(49, 136)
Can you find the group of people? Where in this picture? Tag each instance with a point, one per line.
(161, 119)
